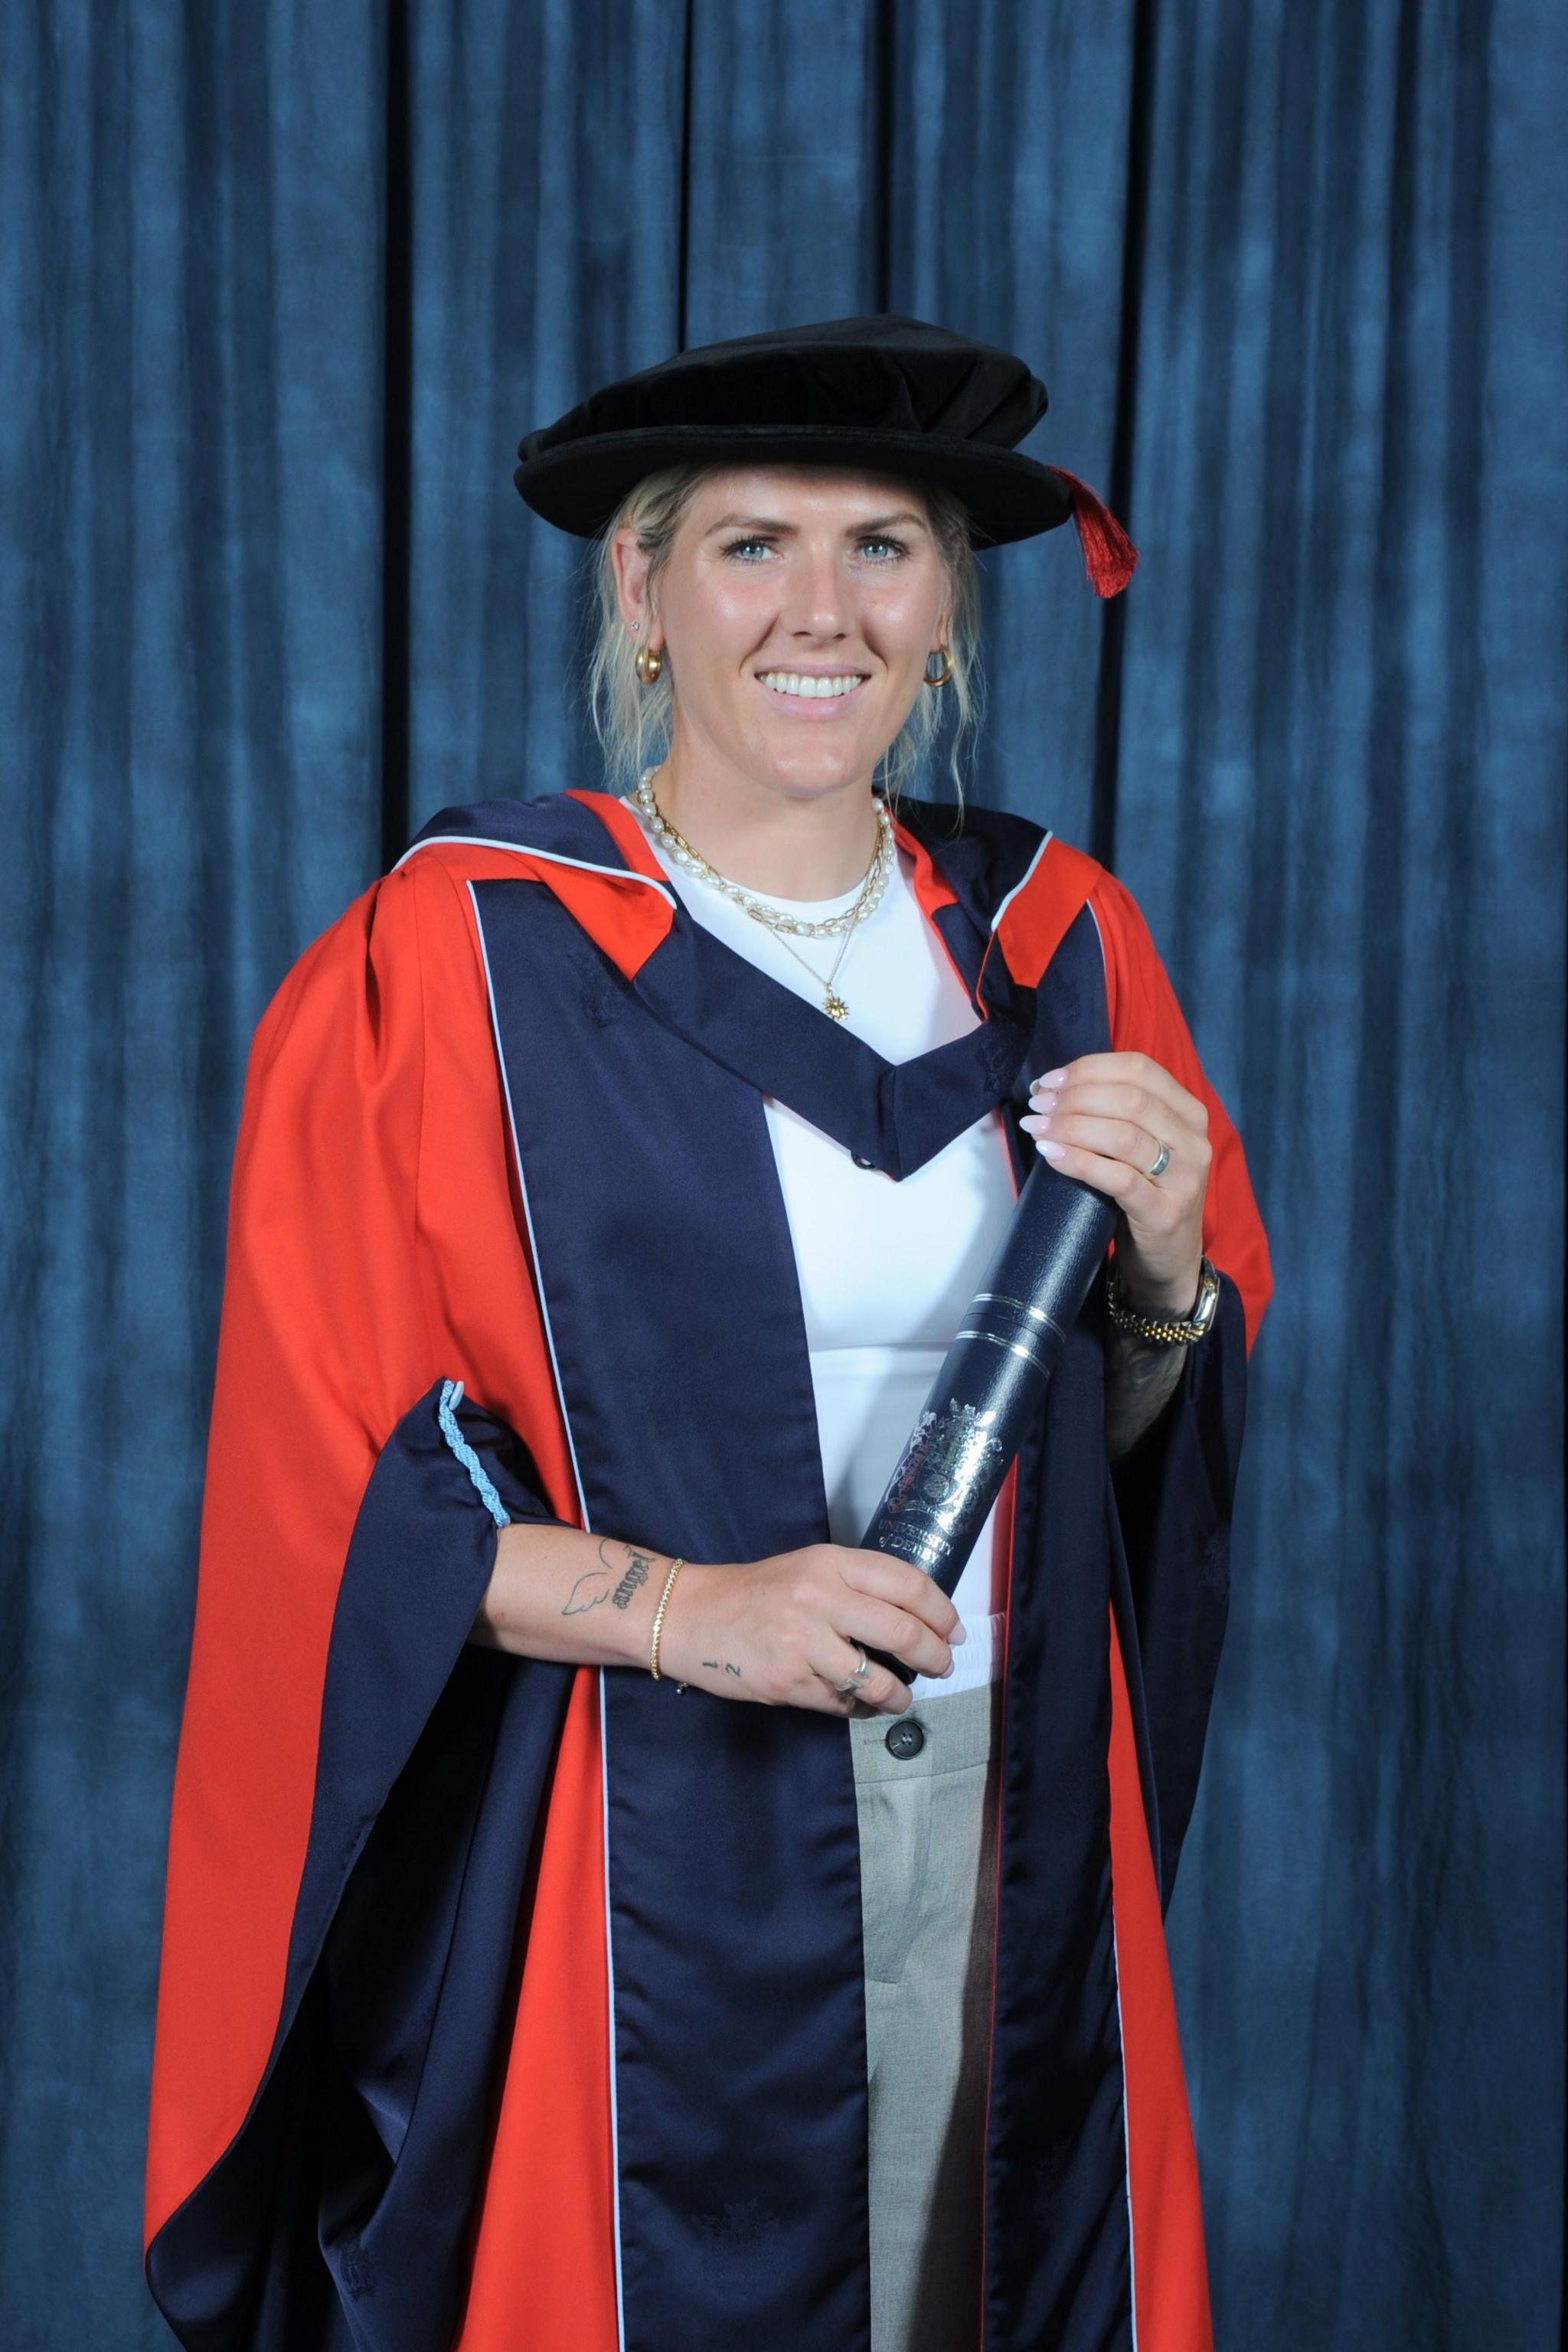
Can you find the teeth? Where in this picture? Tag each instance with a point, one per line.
(819, 690)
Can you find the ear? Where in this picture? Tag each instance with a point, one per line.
(631, 564)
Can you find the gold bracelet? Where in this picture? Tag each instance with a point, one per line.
(675, 1568)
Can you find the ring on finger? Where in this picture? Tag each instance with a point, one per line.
(1162, 1163)
(851, 1688)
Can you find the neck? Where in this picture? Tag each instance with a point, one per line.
(781, 843)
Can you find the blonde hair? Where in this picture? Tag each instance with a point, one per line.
(634, 721)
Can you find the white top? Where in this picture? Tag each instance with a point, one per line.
(886, 1269)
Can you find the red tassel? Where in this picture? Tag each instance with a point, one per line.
(1110, 557)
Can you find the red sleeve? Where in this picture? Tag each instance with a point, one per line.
(1146, 1018)
(372, 1249)
(321, 1345)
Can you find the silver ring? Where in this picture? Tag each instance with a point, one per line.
(848, 1690)
(1160, 1164)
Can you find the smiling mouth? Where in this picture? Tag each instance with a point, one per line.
(806, 685)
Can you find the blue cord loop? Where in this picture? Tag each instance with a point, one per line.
(451, 1397)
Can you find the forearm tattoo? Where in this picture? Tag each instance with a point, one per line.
(1141, 1378)
(630, 1566)
(594, 1585)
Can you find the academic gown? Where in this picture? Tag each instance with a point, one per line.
(506, 2003)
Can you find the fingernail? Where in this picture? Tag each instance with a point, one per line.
(1050, 1078)
(959, 1634)
(1044, 1100)
(1036, 1123)
(1053, 1150)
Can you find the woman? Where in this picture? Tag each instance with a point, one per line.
(573, 1937)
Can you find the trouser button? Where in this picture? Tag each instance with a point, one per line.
(906, 1738)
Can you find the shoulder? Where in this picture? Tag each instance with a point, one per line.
(1018, 875)
(578, 826)
(407, 937)
(991, 840)
(419, 907)
(1041, 889)
(360, 977)
(1005, 850)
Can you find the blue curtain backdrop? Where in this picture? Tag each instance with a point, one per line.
(282, 285)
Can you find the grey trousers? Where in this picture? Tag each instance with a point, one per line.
(928, 1853)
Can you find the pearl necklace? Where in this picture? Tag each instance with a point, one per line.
(775, 920)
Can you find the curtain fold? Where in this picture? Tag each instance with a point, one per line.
(281, 288)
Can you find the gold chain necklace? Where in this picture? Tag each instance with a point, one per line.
(833, 1005)
(774, 918)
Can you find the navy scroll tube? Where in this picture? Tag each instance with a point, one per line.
(993, 1381)
(349, 2185)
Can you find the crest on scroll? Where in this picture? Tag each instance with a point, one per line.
(946, 1454)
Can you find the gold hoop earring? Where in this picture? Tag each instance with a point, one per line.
(648, 664)
(944, 672)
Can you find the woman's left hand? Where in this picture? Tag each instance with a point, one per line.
(1103, 1119)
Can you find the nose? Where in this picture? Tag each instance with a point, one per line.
(818, 605)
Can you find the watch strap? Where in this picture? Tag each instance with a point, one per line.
(1164, 1330)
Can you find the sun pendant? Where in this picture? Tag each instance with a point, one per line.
(834, 1006)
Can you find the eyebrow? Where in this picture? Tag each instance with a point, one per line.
(783, 530)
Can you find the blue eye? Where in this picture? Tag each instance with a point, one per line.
(741, 550)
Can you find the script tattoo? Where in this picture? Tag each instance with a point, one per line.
(637, 1574)
(730, 1665)
(594, 1585)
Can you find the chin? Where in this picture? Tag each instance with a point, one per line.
(812, 768)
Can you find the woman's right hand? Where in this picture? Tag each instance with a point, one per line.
(782, 1632)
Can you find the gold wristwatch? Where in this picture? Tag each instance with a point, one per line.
(1152, 1327)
